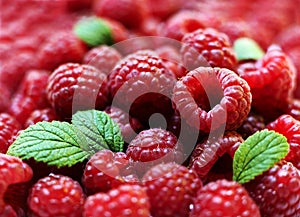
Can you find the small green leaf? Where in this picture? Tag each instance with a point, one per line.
(55, 143)
(257, 154)
(93, 31)
(247, 49)
(100, 130)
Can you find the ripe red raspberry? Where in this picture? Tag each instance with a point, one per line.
(224, 198)
(38, 115)
(126, 200)
(235, 29)
(72, 87)
(207, 47)
(290, 128)
(9, 128)
(56, 195)
(61, 47)
(104, 170)
(13, 173)
(104, 58)
(294, 54)
(163, 9)
(171, 189)
(211, 152)
(4, 97)
(129, 12)
(118, 30)
(277, 191)
(154, 146)
(288, 39)
(209, 98)
(294, 109)
(251, 124)
(272, 82)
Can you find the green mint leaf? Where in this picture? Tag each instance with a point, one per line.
(100, 130)
(257, 154)
(93, 31)
(247, 49)
(54, 143)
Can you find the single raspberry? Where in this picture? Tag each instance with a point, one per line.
(251, 124)
(141, 84)
(129, 126)
(290, 128)
(277, 191)
(288, 39)
(224, 198)
(163, 9)
(126, 200)
(235, 29)
(130, 13)
(59, 48)
(9, 128)
(264, 77)
(56, 195)
(72, 87)
(104, 170)
(104, 58)
(154, 146)
(294, 109)
(209, 98)
(13, 174)
(38, 115)
(207, 47)
(171, 189)
(209, 154)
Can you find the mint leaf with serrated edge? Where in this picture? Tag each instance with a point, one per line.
(257, 154)
(55, 143)
(100, 130)
(247, 49)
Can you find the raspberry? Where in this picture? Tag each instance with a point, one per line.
(153, 146)
(251, 124)
(235, 29)
(104, 170)
(72, 87)
(13, 173)
(288, 38)
(9, 128)
(207, 47)
(171, 189)
(210, 95)
(38, 115)
(118, 31)
(129, 126)
(104, 58)
(163, 9)
(59, 48)
(277, 191)
(4, 98)
(294, 109)
(272, 82)
(224, 198)
(290, 128)
(126, 200)
(56, 195)
(206, 154)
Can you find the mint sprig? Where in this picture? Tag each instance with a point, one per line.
(247, 49)
(62, 144)
(257, 154)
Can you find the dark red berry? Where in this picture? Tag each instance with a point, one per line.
(38, 115)
(251, 124)
(294, 109)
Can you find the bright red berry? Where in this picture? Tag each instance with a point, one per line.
(56, 195)
(207, 47)
(72, 87)
(210, 98)
(163, 9)
(126, 200)
(9, 128)
(224, 198)
(277, 191)
(171, 189)
(290, 128)
(38, 115)
(294, 109)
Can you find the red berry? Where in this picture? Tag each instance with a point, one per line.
(4, 98)
(290, 128)
(209, 98)
(38, 115)
(294, 109)
(272, 82)
(251, 124)
(72, 87)
(207, 47)
(104, 58)
(163, 9)
(277, 191)
(56, 195)
(13, 172)
(235, 29)
(126, 200)
(171, 189)
(118, 30)
(224, 198)
(9, 128)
